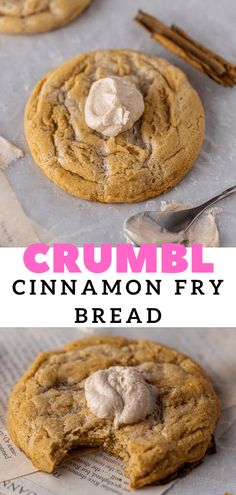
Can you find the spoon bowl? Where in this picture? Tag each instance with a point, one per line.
(157, 227)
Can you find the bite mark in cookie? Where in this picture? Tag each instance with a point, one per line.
(48, 414)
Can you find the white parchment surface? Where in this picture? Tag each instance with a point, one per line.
(96, 472)
(109, 24)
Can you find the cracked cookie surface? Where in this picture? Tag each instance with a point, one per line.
(48, 414)
(138, 164)
(38, 16)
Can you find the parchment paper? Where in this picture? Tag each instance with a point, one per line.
(15, 228)
(96, 473)
(108, 24)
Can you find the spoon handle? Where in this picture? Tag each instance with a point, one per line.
(220, 196)
(200, 209)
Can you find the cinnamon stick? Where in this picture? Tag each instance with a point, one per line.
(181, 44)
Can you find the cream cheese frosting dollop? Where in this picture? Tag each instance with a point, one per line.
(120, 393)
(113, 105)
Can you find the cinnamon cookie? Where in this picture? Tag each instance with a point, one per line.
(140, 163)
(148, 404)
(38, 16)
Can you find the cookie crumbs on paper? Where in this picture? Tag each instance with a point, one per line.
(8, 153)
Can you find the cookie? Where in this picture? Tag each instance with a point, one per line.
(138, 164)
(38, 16)
(48, 414)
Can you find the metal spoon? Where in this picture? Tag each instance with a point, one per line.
(158, 227)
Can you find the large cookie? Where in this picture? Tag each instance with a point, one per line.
(38, 16)
(48, 415)
(145, 161)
